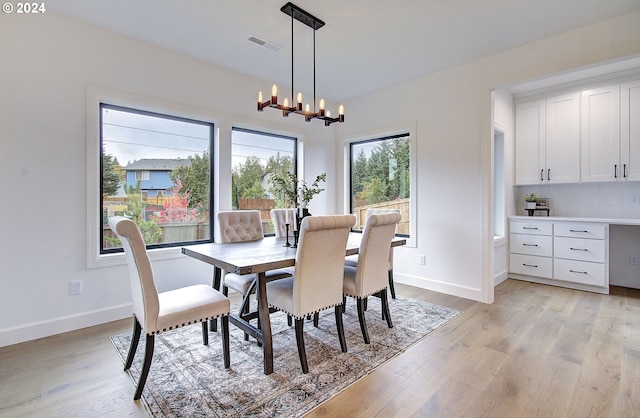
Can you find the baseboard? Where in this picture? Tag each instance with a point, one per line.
(35, 330)
(438, 286)
(500, 277)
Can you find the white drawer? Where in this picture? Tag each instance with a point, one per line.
(531, 244)
(531, 227)
(579, 249)
(579, 230)
(531, 265)
(579, 272)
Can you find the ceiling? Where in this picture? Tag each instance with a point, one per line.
(366, 45)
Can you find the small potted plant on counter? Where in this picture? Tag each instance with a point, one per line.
(531, 200)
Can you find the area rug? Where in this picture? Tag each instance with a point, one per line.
(188, 379)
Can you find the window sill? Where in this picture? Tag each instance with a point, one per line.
(110, 260)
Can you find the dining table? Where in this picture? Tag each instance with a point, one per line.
(258, 257)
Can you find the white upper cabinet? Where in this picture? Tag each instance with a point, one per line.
(563, 139)
(630, 130)
(547, 143)
(600, 135)
(530, 142)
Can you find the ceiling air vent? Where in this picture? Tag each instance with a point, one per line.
(264, 43)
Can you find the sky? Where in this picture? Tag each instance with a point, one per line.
(131, 136)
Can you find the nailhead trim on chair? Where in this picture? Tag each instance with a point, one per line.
(307, 314)
(183, 325)
(367, 295)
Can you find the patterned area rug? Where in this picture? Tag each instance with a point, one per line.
(189, 379)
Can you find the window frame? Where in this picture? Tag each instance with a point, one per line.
(145, 175)
(284, 136)
(94, 97)
(408, 129)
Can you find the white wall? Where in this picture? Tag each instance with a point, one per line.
(48, 62)
(452, 112)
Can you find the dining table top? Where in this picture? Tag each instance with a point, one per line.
(262, 255)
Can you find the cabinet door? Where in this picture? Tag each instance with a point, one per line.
(630, 130)
(600, 134)
(529, 142)
(562, 154)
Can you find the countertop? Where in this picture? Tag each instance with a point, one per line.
(611, 221)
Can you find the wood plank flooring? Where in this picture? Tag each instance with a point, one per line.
(538, 351)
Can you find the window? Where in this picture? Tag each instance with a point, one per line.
(381, 178)
(142, 175)
(155, 169)
(256, 156)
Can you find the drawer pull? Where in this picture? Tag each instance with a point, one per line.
(529, 227)
(530, 245)
(578, 249)
(577, 230)
(529, 265)
(576, 271)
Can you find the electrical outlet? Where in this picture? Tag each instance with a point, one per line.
(423, 260)
(75, 287)
(633, 260)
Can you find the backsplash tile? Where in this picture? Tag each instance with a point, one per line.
(596, 200)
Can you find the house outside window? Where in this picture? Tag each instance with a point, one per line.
(380, 178)
(155, 169)
(256, 156)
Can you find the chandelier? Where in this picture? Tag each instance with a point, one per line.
(296, 107)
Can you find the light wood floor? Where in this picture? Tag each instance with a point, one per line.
(538, 351)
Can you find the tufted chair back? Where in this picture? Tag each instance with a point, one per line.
(240, 225)
(371, 275)
(319, 263)
(146, 304)
(372, 211)
(280, 217)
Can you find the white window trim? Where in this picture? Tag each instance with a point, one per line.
(377, 134)
(95, 96)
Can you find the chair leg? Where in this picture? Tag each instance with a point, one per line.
(205, 333)
(340, 326)
(385, 307)
(289, 322)
(391, 288)
(135, 338)
(148, 355)
(316, 319)
(344, 304)
(300, 341)
(225, 341)
(363, 322)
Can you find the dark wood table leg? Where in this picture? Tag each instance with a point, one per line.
(217, 279)
(265, 324)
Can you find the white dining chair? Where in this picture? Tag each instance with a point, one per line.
(370, 276)
(352, 260)
(243, 226)
(280, 218)
(154, 312)
(318, 279)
